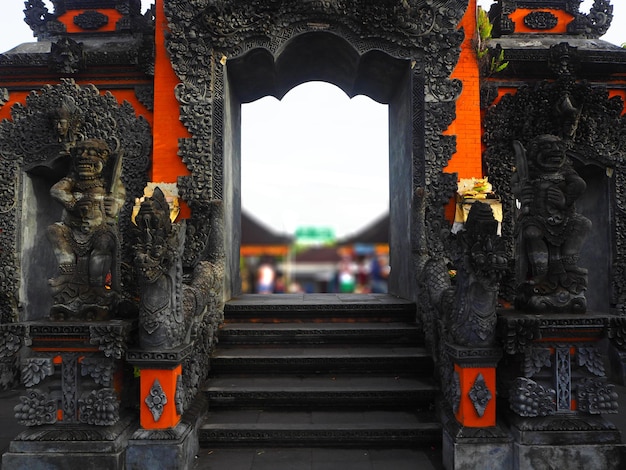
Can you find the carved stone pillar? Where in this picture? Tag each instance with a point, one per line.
(475, 369)
(472, 430)
(163, 439)
(161, 387)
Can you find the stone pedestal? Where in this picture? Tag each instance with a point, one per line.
(470, 431)
(164, 440)
(554, 380)
(73, 373)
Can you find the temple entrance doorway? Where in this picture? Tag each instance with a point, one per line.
(315, 174)
(325, 57)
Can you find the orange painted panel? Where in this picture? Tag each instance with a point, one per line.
(467, 414)
(167, 378)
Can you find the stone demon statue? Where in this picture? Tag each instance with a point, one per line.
(86, 241)
(467, 308)
(168, 309)
(551, 232)
(472, 319)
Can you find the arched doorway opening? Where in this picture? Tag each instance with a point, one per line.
(314, 163)
(324, 56)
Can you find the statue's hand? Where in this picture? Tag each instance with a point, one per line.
(555, 197)
(110, 206)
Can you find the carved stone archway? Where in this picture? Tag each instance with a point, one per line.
(397, 52)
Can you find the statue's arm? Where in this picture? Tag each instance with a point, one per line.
(575, 187)
(62, 191)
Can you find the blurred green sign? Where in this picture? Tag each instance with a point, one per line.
(315, 235)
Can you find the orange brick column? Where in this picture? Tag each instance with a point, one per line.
(167, 166)
(467, 160)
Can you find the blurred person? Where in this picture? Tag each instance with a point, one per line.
(346, 275)
(363, 274)
(266, 276)
(378, 274)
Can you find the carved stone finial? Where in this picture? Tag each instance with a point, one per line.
(66, 56)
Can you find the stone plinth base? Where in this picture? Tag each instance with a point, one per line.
(463, 448)
(570, 457)
(162, 449)
(69, 447)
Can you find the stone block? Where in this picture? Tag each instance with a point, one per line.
(570, 457)
(470, 454)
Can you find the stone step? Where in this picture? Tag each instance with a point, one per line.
(320, 333)
(322, 390)
(320, 359)
(319, 428)
(298, 308)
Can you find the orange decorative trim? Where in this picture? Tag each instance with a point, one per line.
(260, 250)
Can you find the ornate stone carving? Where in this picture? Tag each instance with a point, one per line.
(4, 96)
(163, 323)
(101, 371)
(36, 408)
(156, 400)
(564, 61)
(99, 407)
(91, 20)
(591, 359)
(540, 20)
(36, 369)
(66, 56)
(33, 140)
(179, 398)
(551, 231)
(472, 319)
(41, 22)
(592, 25)
(593, 129)
(536, 359)
(86, 242)
(528, 398)
(595, 396)
(45, 24)
(596, 23)
(112, 340)
(221, 31)
(145, 95)
(480, 395)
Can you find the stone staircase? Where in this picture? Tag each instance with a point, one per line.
(320, 371)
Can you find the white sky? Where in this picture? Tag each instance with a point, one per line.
(315, 158)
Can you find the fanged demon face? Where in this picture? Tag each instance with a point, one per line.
(549, 152)
(90, 158)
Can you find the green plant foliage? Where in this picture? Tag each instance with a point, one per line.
(496, 63)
